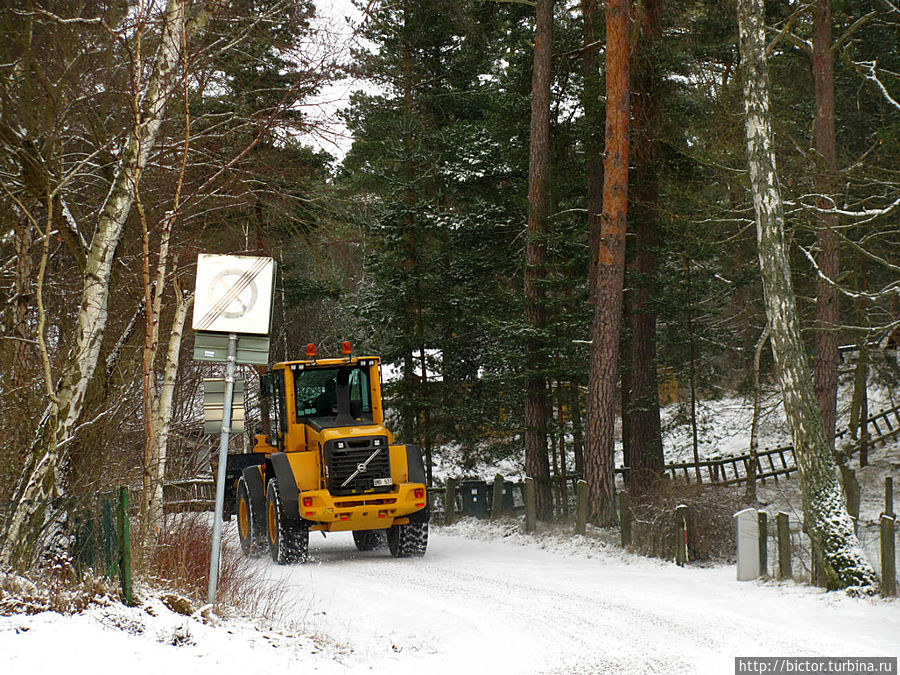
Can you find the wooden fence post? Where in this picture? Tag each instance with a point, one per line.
(625, 517)
(450, 501)
(763, 544)
(530, 506)
(782, 525)
(497, 502)
(889, 495)
(888, 557)
(681, 534)
(581, 499)
(124, 547)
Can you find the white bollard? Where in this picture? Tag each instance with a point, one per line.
(747, 528)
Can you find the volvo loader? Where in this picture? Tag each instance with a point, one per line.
(329, 464)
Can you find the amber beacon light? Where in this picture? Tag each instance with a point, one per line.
(346, 348)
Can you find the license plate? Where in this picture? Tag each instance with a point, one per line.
(382, 482)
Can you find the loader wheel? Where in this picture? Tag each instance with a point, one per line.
(408, 540)
(288, 537)
(251, 530)
(368, 540)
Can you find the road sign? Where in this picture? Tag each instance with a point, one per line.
(213, 347)
(214, 405)
(234, 294)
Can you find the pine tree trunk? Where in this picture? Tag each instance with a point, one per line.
(599, 454)
(643, 425)
(19, 546)
(827, 306)
(830, 527)
(590, 101)
(537, 464)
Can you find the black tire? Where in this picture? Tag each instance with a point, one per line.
(251, 530)
(368, 540)
(406, 541)
(288, 537)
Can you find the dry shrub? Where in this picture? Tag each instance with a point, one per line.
(53, 588)
(710, 521)
(180, 562)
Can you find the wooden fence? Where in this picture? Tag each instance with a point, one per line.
(771, 462)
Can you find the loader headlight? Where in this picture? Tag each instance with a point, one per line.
(340, 445)
(376, 442)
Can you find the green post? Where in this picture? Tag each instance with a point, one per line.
(888, 557)
(782, 526)
(581, 502)
(450, 501)
(124, 547)
(681, 534)
(625, 518)
(497, 501)
(763, 543)
(530, 506)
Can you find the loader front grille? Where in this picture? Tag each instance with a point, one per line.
(356, 467)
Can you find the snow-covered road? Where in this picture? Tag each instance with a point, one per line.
(484, 599)
(507, 605)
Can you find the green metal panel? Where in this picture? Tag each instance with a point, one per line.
(214, 405)
(251, 349)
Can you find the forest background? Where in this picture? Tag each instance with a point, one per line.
(136, 135)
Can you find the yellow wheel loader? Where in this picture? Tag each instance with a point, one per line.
(330, 464)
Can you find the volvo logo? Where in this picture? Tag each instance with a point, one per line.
(361, 468)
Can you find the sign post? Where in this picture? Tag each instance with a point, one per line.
(220, 479)
(234, 297)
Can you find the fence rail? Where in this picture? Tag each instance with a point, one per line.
(773, 462)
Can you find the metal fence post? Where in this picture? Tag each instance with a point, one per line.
(124, 547)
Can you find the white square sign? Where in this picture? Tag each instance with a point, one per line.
(234, 294)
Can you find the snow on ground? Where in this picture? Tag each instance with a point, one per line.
(485, 598)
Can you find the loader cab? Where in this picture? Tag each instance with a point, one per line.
(310, 397)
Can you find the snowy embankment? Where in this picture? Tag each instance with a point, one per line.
(484, 599)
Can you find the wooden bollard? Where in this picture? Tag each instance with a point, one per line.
(625, 518)
(888, 557)
(530, 506)
(763, 544)
(581, 502)
(450, 501)
(681, 534)
(497, 502)
(782, 526)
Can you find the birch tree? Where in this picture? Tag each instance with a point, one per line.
(829, 525)
(49, 451)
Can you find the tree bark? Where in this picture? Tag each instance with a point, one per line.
(593, 141)
(53, 439)
(161, 418)
(537, 464)
(643, 427)
(830, 527)
(828, 255)
(599, 454)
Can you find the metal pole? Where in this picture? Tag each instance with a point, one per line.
(220, 480)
